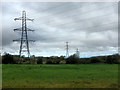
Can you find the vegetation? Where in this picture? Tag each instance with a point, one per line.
(14, 59)
(39, 61)
(60, 76)
(98, 72)
(0, 59)
(72, 60)
(8, 59)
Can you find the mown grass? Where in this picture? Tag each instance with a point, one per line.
(60, 76)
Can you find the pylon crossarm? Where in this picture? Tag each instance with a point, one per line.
(18, 29)
(30, 29)
(15, 40)
(24, 50)
(20, 18)
(29, 19)
(24, 40)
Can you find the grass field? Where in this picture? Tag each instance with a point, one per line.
(60, 76)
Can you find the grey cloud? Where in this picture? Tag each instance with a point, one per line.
(87, 26)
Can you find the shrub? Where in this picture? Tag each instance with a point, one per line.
(95, 60)
(113, 59)
(72, 60)
(8, 59)
(49, 62)
(39, 61)
(84, 61)
(62, 62)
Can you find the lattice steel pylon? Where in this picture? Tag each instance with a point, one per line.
(24, 45)
(77, 53)
(67, 51)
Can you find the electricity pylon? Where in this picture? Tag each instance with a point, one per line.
(24, 45)
(67, 50)
(77, 53)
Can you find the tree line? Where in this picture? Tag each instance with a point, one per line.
(15, 59)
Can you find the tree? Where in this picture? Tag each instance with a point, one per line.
(84, 61)
(72, 59)
(62, 58)
(49, 62)
(8, 59)
(39, 60)
(95, 60)
(113, 59)
(0, 59)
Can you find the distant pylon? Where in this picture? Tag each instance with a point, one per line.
(67, 50)
(24, 46)
(77, 53)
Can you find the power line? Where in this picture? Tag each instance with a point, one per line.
(61, 13)
(93, 28)
(71, 10)
(82, 13)
(83, 20)
(98, 26)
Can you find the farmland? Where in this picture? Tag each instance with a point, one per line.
(60, 76)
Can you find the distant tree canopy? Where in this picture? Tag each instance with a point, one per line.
(72, 59)
(15, 59)
(113, 59)
(0, 59)
(95, 60)
(39, 60)
(53, 60)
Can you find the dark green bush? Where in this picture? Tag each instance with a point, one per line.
(8, 59)
(72, 59)
(39, 61)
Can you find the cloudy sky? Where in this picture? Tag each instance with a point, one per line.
(91, 27)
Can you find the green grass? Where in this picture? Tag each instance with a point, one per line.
(60, 76)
